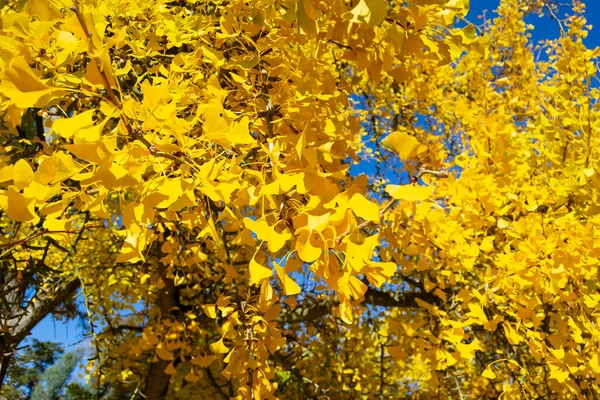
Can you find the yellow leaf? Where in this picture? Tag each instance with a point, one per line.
(488, 373)
(57, 168)
(171, 188)
(453, 335)
(144, 278)
(46, 171)
(94, 153)
(65, 167)
(289, 286)
(305, 23)
(558, 373)
(66, 127)
(511, 335)
(467, 351)
(23, 87)
(345, 312)
(401, 143)
(307, 247)
(364, 208)
(409, 192)
(594, 363)
(371, 12)
(44, 10)
(487, 244)
(477, 314)
(191, 377)
(239, 133)
(351, 286)
(266, 298)
(503, 223)
(258, 273)
(380, 271)
(163, 353)
(155, 95)
(275, 240)
(210, 310)
(397, 352)
(19, 207)
(7, 173)
(23, 174)
(170, 370)
(216, 128)
(317, 221)
(219, 347)
(203, 361)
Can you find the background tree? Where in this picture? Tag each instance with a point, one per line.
(209, 147)
(24, 376)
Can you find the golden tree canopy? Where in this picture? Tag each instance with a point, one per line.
(304, 198)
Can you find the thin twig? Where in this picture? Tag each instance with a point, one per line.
(27, 239)
(554, 17)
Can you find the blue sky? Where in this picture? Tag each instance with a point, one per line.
(545, 28)
(69, 333)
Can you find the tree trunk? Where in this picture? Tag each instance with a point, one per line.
(157, 383)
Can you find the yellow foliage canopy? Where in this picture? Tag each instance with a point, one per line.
(190, 165)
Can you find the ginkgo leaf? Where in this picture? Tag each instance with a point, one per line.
(401, 143)
(488, 373)
(512, 335)
(216, 128)
(290, 287)
(203, 361)
(23, 174)
(315, 222)
(66, 127)
(42, 9)
(58, 167)
(239, 133)
(210, 310)
(467, 350)
(396, 352)
(95, 76)
(163, 353)
(219, 347)
(7, 173)
(303, 19)
(364, 208)
(170, 370)
(351, 287)
(409, 192)
(95, 153)
(267, 295)
(371, 12)
(380, 272)
(345, 312)
(171, 188)
(258, 272)
(275, 240)
(191, 377)
(19, 207)
(307, 247)
(559, 373)
(22, 86)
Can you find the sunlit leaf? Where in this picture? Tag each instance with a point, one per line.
(409, 192)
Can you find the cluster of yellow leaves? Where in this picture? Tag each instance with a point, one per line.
(215, 140)
(511, 253)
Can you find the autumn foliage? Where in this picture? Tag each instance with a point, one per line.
(304, 198)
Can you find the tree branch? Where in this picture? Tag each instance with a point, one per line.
(318, 309)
